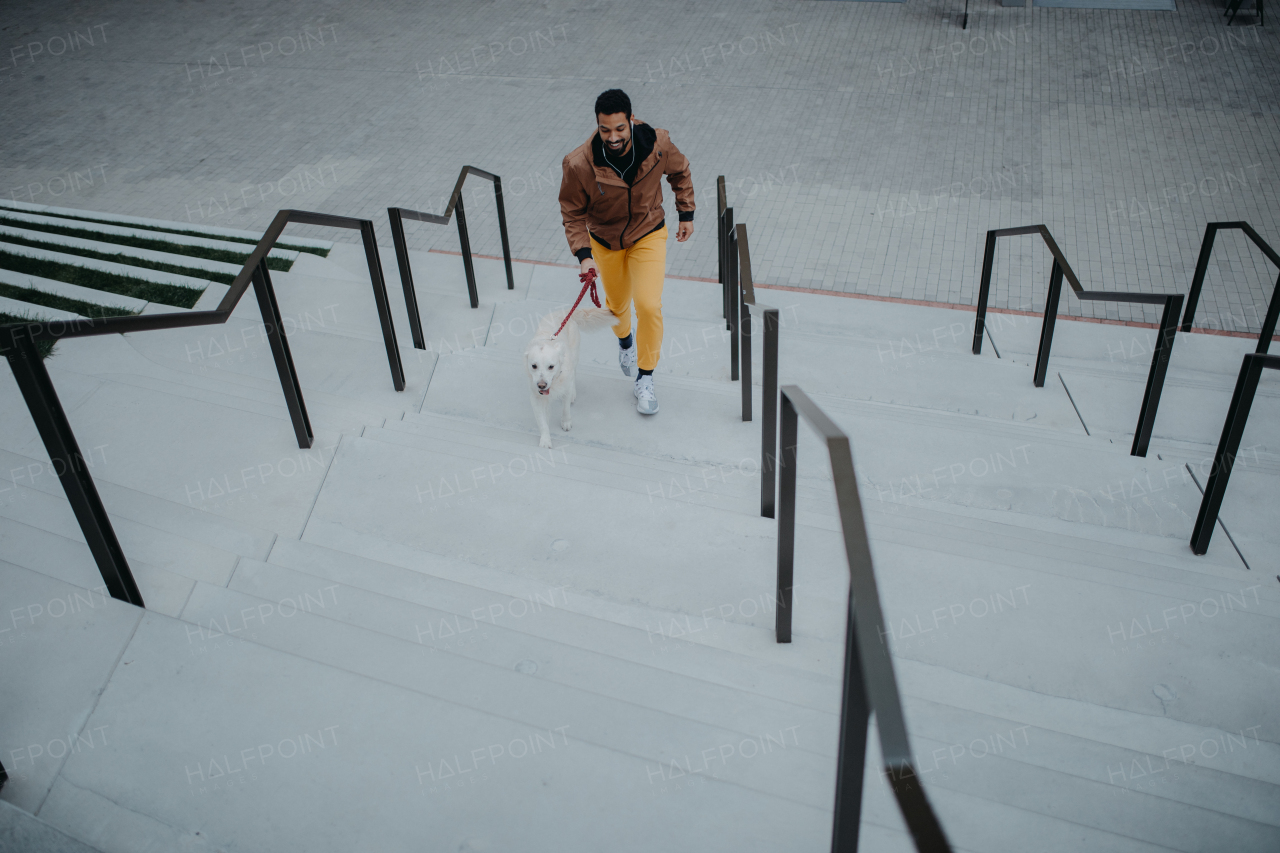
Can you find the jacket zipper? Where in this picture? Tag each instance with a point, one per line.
(622, 242)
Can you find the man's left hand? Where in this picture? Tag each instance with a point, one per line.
(684, 232)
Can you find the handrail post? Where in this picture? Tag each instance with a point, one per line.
(380, 299)
(984, 289)
(721, 243)
(731, 266)
(852, 756)
(1046, 328)
(744, 349)
(465, 242)
(1228, 445)
(1155, 376)
(786, 519)
(69, 464)
(406, 277)
(727, 222)
(502, 229)
(769, 411)
(280, 352)
(1197, 280)
(1269, 322)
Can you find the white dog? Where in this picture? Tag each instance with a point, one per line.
(552, 362)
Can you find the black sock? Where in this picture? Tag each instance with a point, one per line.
(625, 343)
(643, 372)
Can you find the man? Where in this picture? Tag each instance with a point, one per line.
(611, 203)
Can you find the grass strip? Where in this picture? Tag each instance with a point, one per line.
(165, 294)
(127, 260)
(282, 243)
(224, 255)
(63, 303)
(45, 348)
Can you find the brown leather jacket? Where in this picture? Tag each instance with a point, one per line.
(594, 201)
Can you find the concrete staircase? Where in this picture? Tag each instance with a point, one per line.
(427, 633)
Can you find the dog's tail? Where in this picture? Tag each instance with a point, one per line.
(591, 318)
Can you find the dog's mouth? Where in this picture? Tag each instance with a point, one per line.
(544, 391)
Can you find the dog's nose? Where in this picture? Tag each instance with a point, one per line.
(542, 385)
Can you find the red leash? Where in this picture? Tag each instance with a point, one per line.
(588, 280)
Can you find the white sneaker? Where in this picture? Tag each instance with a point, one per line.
(646, 402)
(627, 358)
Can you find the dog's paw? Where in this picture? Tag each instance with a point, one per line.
(566, 424)
(545, 441)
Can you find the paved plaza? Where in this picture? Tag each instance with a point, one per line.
(867, 146)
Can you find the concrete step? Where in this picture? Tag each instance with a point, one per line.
(662, 738)
(490, 618)
(81, 246)
(18, 308)
(570, 532)
(511, 677)
(70, 562)
(180, 519)
(22, 831)
(45, 224)
(708, 648)
(236, 806)
(111, 267)
(1150, 559)
(999, 590)
(144, 542)
(59, 643)
(156, 224)
(71, 291)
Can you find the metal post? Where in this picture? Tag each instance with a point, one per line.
(735, 318)
(769, 411)
(283, 357)
(1155, 377)
(69, 464)
(729, 285)
(1269, 323)
(465, 243)
(502, 228)
(406, 277)
(720, 248)
(1228, 445)
(1046, 329)
(744, 351)
(852, 757)
(1197, 280)
(380, 299)
(984, 289)
(786, 520)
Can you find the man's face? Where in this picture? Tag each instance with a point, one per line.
(615, 132)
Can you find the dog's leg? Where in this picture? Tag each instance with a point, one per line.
(540, 415)
(566, 419)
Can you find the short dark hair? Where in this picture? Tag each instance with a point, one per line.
(613, 101)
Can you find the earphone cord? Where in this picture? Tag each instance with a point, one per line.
(633, 154)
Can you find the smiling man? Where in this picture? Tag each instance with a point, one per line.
(611, 203)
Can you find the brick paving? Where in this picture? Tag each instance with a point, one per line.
(867, 146)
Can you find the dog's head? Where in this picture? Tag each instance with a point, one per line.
(544, 361)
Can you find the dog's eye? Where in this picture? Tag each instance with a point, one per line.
(551, 367)
(535, 367)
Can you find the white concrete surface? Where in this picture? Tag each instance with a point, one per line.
(425, 585)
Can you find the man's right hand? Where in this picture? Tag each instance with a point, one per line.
(589, 264)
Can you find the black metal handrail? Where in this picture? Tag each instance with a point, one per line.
(1202, 266)
(722, 241)
(740, 276)
(18, 345)
(455, 205)
(1229, 445)
(1164, 339)
(869, 681)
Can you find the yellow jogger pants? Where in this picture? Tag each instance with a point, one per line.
(635, 275)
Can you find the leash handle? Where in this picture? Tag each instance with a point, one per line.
(588, 280)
